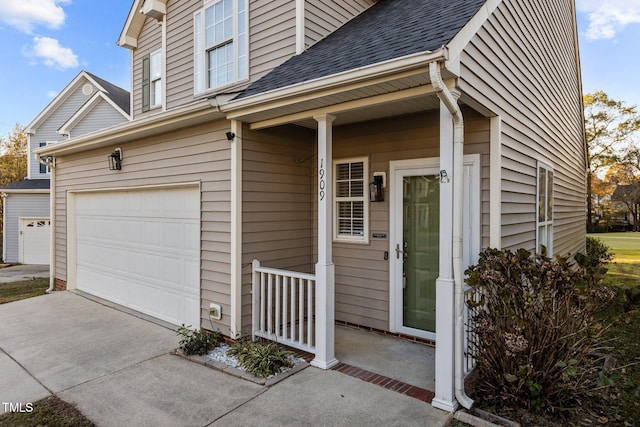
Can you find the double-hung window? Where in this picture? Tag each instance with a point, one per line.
(152, 81)
(44, 168)
(544, 220)
(351, 205)
(221, 44)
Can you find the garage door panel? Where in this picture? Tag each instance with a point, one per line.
(141, 249)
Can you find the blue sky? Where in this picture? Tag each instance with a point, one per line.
(44, 44)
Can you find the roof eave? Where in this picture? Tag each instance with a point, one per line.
(178, 118)
(25, 191)
(132, 27)
(469, 30)
(393, 66)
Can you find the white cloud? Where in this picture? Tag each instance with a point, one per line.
(607, 18)
(52, 53)
(25, 15)
(52, 94)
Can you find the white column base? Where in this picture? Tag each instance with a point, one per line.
(445, 405)
(324, 364)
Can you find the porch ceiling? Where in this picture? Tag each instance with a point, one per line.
(391, 96)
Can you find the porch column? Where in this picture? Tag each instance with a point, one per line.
(325, 270)
(444, 387)
(495, 189)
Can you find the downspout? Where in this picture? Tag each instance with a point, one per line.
(458, 177)
(50, 161)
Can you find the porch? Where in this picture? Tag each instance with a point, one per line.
(359, 199)
(284, 311)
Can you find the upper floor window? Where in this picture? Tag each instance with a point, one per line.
(544, 220)
(44, 168)
(152, 81)
(221, 44)
(351, 205)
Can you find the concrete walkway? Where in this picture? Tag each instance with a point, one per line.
(17, 273)
(118, 371)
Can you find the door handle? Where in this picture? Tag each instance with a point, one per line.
(400, 251)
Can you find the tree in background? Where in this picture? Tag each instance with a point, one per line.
(601, 190)
(626, 177)
(13, 162)
(609, 128)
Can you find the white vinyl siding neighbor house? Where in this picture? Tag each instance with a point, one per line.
(85, 105)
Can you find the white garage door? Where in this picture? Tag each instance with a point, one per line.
(141, 249)
(34, 239)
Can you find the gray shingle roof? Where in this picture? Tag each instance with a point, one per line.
(390, 29)
(28, 184)
(118, 95)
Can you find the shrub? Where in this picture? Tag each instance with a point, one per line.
(595, 261)
(533, 329)
(197, 342)
(259, 359)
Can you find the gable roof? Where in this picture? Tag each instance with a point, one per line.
(388, 30)
(118, 95)
(138, 13)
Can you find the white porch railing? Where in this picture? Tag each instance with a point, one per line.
(284, 306)
(469, 339)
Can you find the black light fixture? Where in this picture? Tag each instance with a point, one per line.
(115, 160)
(376, 188)
(230, 136)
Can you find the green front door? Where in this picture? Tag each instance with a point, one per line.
(420, 251)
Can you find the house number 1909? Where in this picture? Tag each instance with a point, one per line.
(321, 182)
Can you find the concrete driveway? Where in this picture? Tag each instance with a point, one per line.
(118, 371)
(17, 273)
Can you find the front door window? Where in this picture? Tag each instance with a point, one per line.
(420, 234)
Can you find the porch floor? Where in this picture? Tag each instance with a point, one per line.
(395, 358)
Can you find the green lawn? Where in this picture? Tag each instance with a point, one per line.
(625, 269)
(20, 290)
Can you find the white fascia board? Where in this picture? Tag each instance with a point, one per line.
(60, 98)
(195, 113)
(27, 191)
(392, 66)
(132, 27)
(464, 36)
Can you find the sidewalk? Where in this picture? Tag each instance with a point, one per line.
(17, 273)
(117, 369)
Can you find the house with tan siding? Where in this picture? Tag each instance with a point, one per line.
(87, 104)
(291, 165)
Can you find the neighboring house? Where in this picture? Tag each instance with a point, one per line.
(371, 147)
(86, 105)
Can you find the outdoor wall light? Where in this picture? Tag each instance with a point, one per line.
(376, 188)
(230, 136)
(115, 160)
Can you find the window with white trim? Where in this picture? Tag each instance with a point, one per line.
(44, 169)
(220, 44)
(155, 72)
(544, 219)
(351, 203)
(152, 80)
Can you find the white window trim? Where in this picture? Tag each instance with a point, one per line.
(155, 80)
(364, 239)
(48, 170)
(547, 224)
(201, 80)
